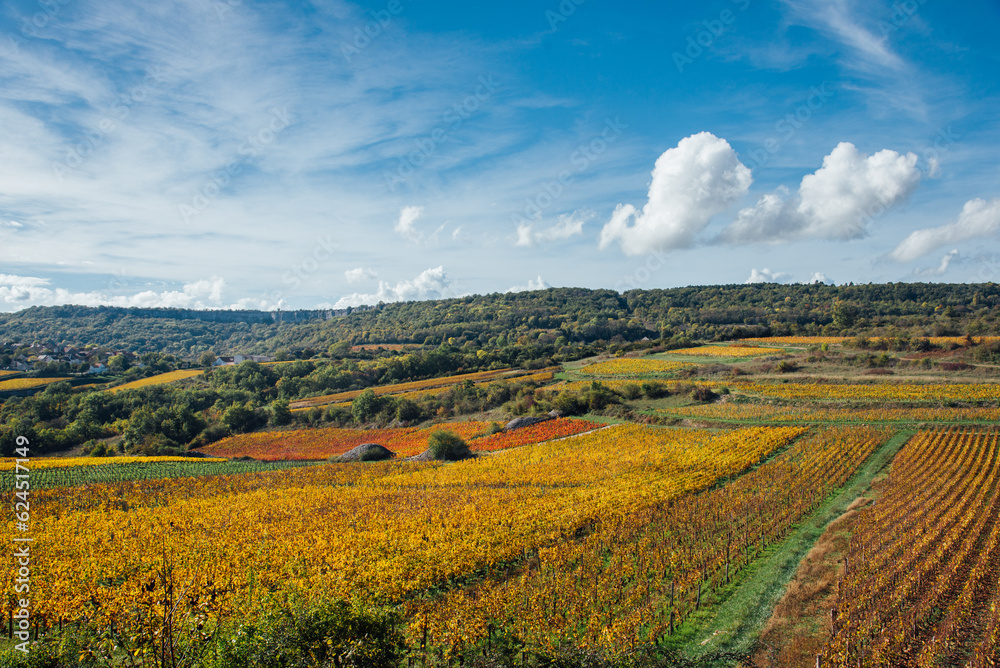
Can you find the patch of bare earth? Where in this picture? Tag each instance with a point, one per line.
(800, 623)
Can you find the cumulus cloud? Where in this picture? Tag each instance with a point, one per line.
(765, 275)
(698, 179)
(979, 218)
(838, 201)
(942, 266)
(533, 284)
(360, 274)
(22, 291)
(405, 225)
(569, 225)
(819, 277)
(429, 284)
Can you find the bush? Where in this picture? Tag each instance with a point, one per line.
(328, 633)
(703, 393)
(654, 390)
(448, 446)
(786, 366)
(631, 391)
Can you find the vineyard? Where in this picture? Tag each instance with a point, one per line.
(159, 379)
(727, 351)
(628, 520)
(393, 530)
(632, 367)
(313, 444)
(27, 383)
(400, 388)
(152, 468)
(922, 586)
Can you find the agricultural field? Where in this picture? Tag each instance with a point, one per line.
(632, 367)
(160, 379)
(429, 523)
(401, 388)
(92, 471)
(27, 383)
(727, 351)
(632, 525)
(922, 581)
(315, 444)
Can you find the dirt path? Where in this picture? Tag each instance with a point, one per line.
(800, 624)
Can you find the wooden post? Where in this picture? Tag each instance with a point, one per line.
(819, 661)
(697, 605)
(671, 607)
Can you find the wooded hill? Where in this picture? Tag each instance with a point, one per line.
(554, 316)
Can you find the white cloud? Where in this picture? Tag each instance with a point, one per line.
(838, 201)
(429, 284)
(533, 284)
(698, 179)
(569, 225)
(360, 274)
(941, 268)
(765, 275)
(979, 218)
(22, 291)
(405, 225)
(819, 277)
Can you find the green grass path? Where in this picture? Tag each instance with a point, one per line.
(734, 624)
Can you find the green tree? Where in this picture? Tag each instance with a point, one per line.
(207, 359)
(280, 414)
(366, 406)
(239, 418)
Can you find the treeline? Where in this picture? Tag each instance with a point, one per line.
(558, 316)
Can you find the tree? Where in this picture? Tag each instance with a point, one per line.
(118, 364)
(239, 418)
(280, 414)
(366, 406)
(207, 358)
(845, 315)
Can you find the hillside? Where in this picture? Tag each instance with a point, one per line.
(494, 320)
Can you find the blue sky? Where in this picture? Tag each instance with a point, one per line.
(244, 154)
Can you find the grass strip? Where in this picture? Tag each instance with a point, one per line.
(735, 624)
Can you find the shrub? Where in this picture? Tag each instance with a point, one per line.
(654, 390)
(631, 391)
(448, 446)
(703, 393)
(328, 633)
